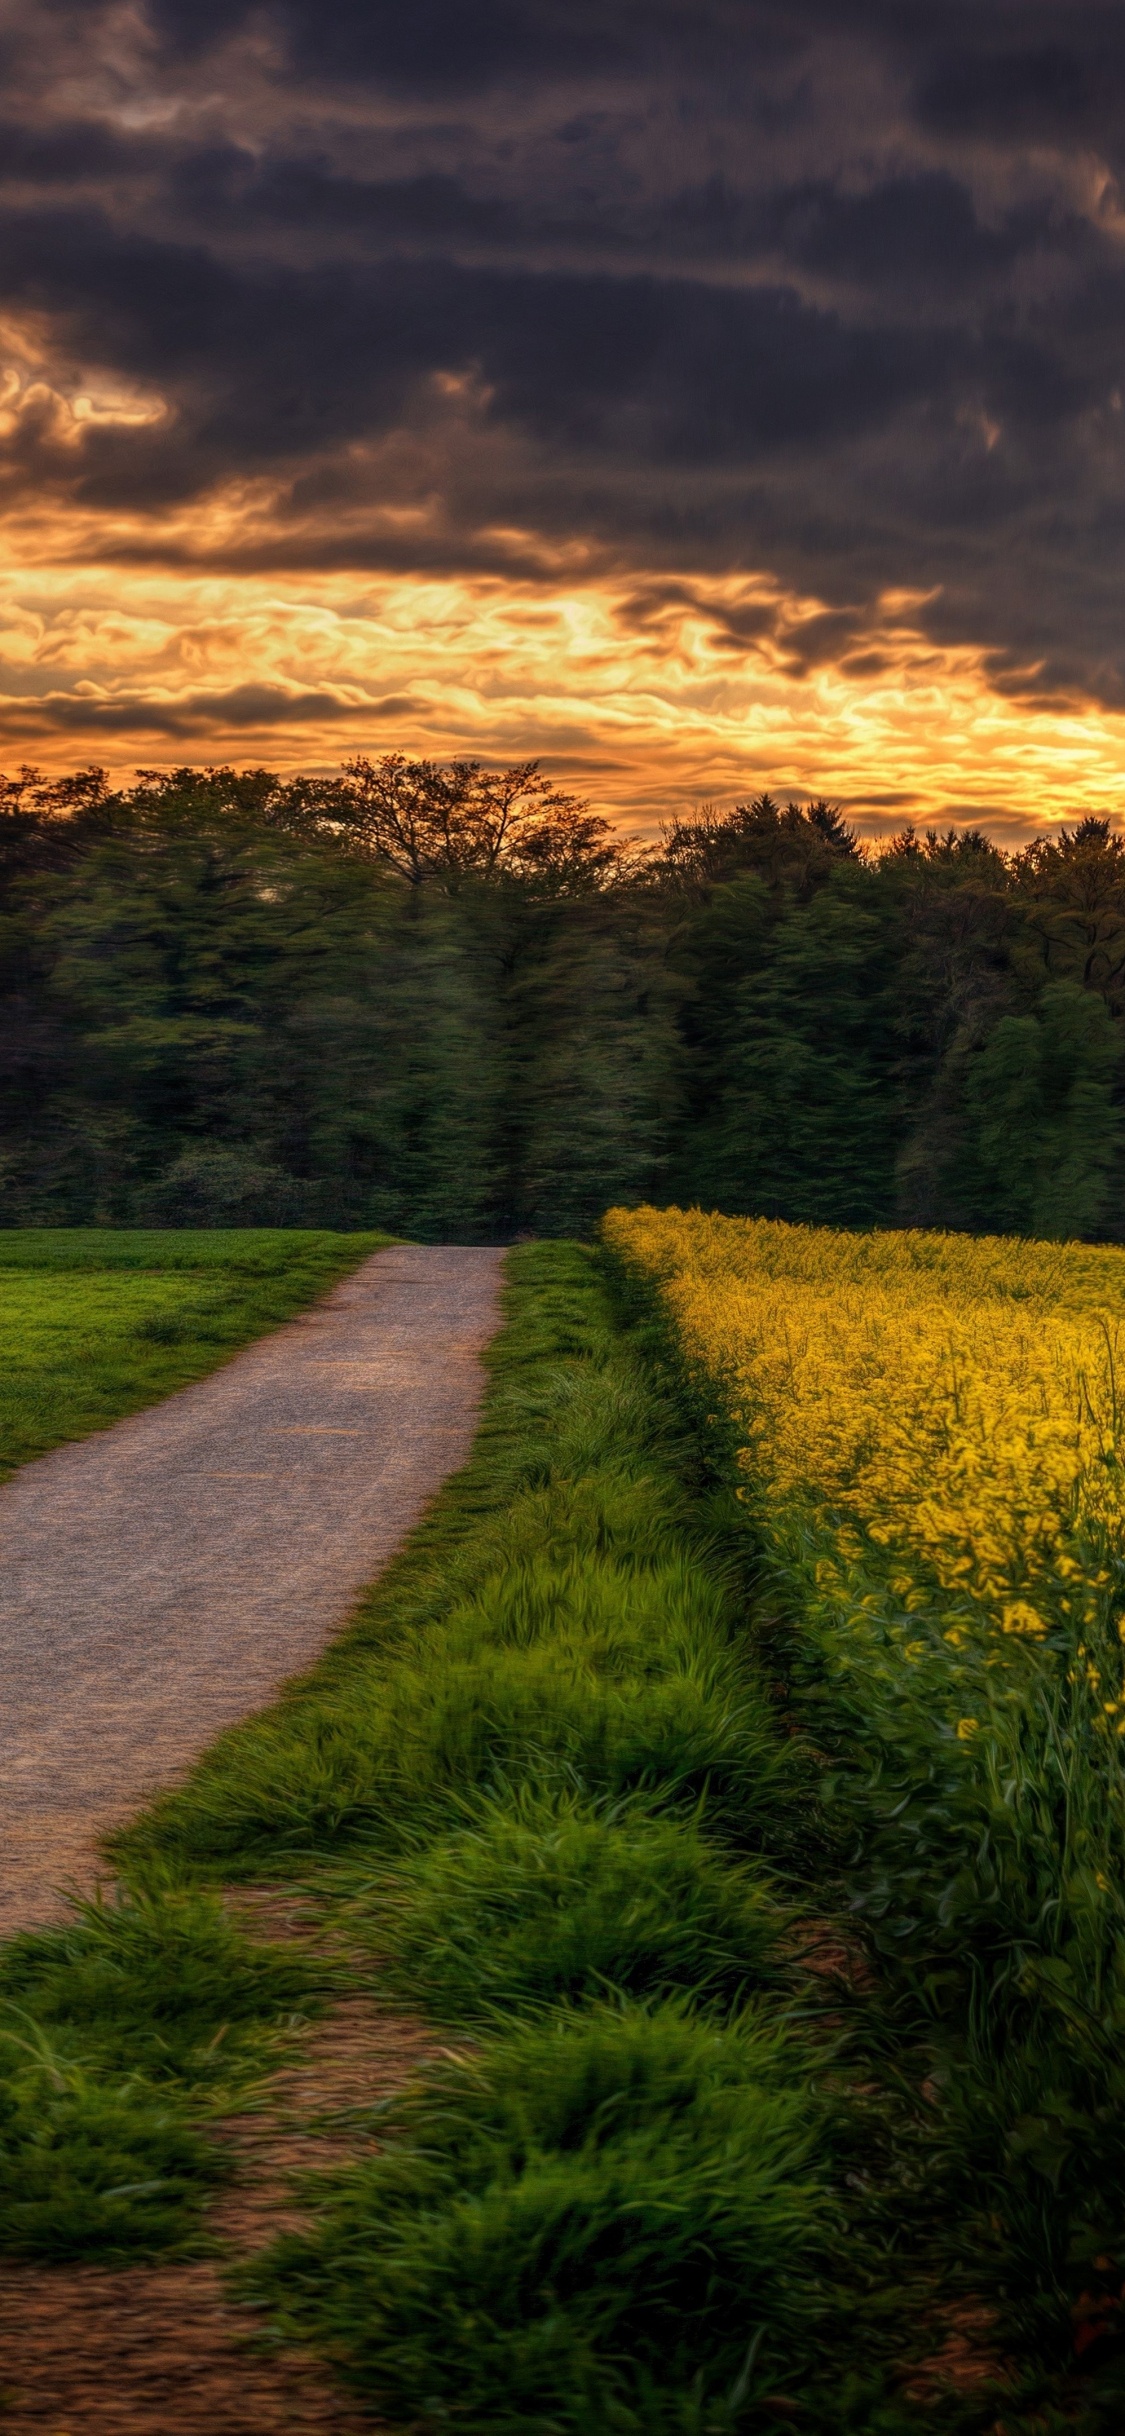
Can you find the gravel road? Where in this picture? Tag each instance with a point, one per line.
(161, 1579)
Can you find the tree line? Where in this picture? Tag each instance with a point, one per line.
(450, 1001)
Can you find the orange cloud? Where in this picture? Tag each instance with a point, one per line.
(651, 694)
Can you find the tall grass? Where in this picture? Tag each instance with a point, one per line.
(122, 2033)
(597, 2222)
(543, 1895)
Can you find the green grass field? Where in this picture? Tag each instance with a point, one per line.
(96, 1321)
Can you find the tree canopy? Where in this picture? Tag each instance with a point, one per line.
(450, 999)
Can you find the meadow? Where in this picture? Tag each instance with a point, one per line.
(98, 1321)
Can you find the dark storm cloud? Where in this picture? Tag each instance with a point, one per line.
(274, 360)
(192, 715)
(442, 46)
(835, 290)
(1045, 90)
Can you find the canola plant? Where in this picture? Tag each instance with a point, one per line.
(925, 1433)
(929, 1434)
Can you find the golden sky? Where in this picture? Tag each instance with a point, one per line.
(634, 694)
(700, 403)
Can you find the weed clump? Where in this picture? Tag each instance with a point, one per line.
(89, 2168)
(596, 2219)
(546, 1897)
(164, 1984)
(121, 2031)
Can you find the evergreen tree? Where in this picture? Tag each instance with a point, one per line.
(448, 1000)
(805, 1124)
(594, 1056)
(1045, 1130)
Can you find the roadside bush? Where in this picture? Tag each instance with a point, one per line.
(596, 2220)
(119, 2030)
(212, 1184)
(166, 1985)
(540, 1898)
(88, 2169)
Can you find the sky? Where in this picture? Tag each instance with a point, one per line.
(699, 395)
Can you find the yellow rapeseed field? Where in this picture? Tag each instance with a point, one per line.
(925, 1431)
(951, 1402)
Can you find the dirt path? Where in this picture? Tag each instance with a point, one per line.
(160, 1580)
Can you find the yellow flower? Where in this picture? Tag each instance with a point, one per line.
(1019, 1617)
(967, 1727)
(946, 1398)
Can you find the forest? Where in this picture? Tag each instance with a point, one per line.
(453, 1002)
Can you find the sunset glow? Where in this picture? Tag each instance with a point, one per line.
(454, 410)
(639, 699)
(642, 692)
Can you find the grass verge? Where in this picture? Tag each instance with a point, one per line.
(555, 1621)
(98, 1321)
